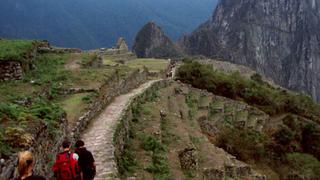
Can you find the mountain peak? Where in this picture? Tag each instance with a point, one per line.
(151, 41)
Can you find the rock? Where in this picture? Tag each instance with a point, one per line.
(163, 114)
(278, 38)
(2, 161)
(189, 159)
(152, 42)
(213, 174)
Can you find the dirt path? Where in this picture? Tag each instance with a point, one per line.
(99, 135)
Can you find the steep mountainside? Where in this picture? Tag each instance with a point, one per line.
(151, 41)
(278, 38)
(92, 24)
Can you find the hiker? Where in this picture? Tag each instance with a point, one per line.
(86, 161)
(66, 165)
(25, 167)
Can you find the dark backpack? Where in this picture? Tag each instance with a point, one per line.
(66, 167)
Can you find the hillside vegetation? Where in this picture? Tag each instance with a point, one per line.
(287, 141)
(254, 91)
(231, 124)
(15, 49)
(45, 94)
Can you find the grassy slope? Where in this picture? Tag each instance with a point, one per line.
(74, 105)
(14, 49)
(154, 65)
(181, 129)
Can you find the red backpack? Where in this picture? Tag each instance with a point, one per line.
(66, 167)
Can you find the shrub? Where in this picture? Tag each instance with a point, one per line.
(262, 95)
(284, 136)
(244, 144)
(257, 78)
(150, 143)
(159, 165)
(127, 162)
(305, 164)
(311, 140)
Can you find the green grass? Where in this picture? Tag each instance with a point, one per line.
(109, 62)
(153, 65)
(74, 105)
(14, 49)
(87, 59)
(159, 166)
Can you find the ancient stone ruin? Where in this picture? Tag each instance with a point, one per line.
(122, 45)
(120, 48)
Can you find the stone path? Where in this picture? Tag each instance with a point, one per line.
(99, 134)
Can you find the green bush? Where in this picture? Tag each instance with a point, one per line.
(262, 95)
(150, 143)
(305, 164)
(127, 162)
(311, 139)
(244, 144)
(159, 165)
(284, 136)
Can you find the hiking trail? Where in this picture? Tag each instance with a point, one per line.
(99, 134)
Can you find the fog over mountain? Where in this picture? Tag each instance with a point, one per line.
(98, 23)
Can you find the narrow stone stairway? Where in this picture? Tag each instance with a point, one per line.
(98, 137)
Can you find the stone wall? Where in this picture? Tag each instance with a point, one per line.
(114, 87)
(121, 136)
(49, 49)
(44, 148)
(10, 70)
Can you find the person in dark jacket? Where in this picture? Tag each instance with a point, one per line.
(25, 167)
(86, 161)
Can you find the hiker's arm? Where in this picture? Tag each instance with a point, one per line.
(81, 175)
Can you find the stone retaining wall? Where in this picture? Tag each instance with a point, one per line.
(44, 149)
(49, 49)
(10, 70)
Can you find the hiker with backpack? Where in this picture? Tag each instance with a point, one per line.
(86, 161)
(66, 165)
(25, 167)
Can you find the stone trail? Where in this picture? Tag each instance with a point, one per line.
(99, 134)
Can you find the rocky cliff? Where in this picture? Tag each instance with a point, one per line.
(278, 38)
(151, 41)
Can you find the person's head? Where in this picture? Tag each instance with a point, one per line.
(79, 144)
(25, 163)
(66, 144)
